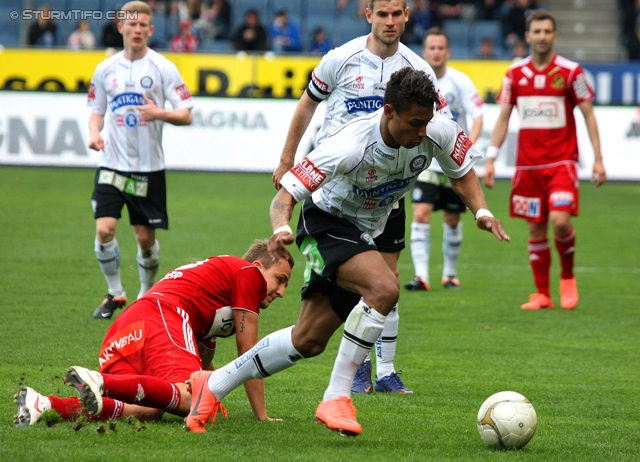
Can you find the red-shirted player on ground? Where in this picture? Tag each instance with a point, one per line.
(154, 345)
(546, 88)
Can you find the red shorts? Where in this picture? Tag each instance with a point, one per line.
(151, 337)
(536, 192)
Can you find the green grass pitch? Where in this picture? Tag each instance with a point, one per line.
(580, 369)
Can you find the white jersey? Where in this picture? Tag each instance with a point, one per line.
(462, 100)
(355, 175)
(117, 86)
(352, 79)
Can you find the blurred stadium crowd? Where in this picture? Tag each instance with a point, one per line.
(476, 28)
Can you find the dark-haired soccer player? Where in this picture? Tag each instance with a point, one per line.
(156, 343)
(347, 187)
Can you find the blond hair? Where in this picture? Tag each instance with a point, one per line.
(137, 7)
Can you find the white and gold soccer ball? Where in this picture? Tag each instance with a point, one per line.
(507, 420)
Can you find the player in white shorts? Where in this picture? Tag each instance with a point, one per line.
(352, 79)
(433, 190)
(348, 186)
(127, 97)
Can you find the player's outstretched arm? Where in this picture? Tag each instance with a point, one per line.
(599, 175)
(468, 188)
(246, 338)
(280, 212)
(301, 119)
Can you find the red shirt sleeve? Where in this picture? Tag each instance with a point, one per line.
(579, 88)
(249, 289)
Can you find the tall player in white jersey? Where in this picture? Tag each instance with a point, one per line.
(129, 90)
(433, 191)
(347, 187)
(352, 78)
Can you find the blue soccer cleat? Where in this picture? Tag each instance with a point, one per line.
(362, 381)
(392, 384)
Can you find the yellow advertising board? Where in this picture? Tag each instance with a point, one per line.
(234, 75)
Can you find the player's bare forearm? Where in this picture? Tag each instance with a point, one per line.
(206, 356)
(280, 213)
(476, 129)
(469, 190)
(96, 124)
(599, 175)
(254, 389)
(300, 121)
(177, 116)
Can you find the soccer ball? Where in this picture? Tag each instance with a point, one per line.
(507, 420)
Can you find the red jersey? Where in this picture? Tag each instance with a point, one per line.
(208, 290)
(546, 99)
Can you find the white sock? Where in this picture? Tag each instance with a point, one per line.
(272, 354)
(148, 263)
(108, 255)
(386, 344)
(361, 330)
(451, 241)
(420, 249)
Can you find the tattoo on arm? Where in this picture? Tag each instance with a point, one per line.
(242, 323)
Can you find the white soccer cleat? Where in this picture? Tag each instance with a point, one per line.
(90, 387)
(31, 405)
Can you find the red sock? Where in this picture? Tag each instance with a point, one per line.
(566, 246)
(142, 390)
(71, 408)
(68, 408)
(540, 260)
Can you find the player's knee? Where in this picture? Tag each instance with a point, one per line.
(105, 234)
(385, 295)
(308, 347)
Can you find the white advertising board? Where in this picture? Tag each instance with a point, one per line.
(247, 135)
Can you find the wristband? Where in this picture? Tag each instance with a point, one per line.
(281, 229)
(483, 213)
(492, 152)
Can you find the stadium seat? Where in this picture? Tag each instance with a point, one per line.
(349, 27)
(9, 26)
(160, 29)
(486, 29)
(292, 7)
(9, 40)
(83, 5)
(458, 32)
(58, 5)
(216, 46)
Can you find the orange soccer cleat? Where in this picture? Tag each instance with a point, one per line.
(538, 301)
(204, 405)
(568, 293)
(339, 414)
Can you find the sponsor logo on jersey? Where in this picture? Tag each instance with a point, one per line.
(92, 92)
(542, 112)
(183, 92)
(442, 103)
(418, 163)
(371, 179)
(358, 85)
(364, 104)
(539, 81)
(581, 88)
(369, 62)
(367, 238)
(261, 345)
(383, 154)
(146, 82)
(390, 187)
(307, 173)
(523, 82)
(114, 84)
(505, 91)
(126, 99)
(319, 83)
(557, 83)
(477, 100)
(526, 206)
(125, 342)
(561, 198)
(369, 204)
(460, 148)
(372, 171)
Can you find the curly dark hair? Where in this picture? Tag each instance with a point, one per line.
(408, 87)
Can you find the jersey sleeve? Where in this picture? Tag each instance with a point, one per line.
(323, 77)
(97, 96)
(472, 102)
(175, 90)
(454, 151)
(249, 289)
(506, 96)
(579, 89)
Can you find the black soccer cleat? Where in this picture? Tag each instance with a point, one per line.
(108, 306)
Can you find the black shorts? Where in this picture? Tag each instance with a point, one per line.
(144, 193)
(392, 238)
(437, 191)
(326, 241)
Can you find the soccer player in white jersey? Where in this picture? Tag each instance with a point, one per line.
(347, 187)
(127, 97)
(433, 191)
(352, 79)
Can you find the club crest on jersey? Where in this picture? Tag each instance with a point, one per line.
(526, 206)
(557, 83)
(146, 82)
(126, 99)
(418, 163)
(131, 120)
(364, 104)
(367, 238)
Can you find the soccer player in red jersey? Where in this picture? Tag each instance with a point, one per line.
(546, 88)
(152, 348)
